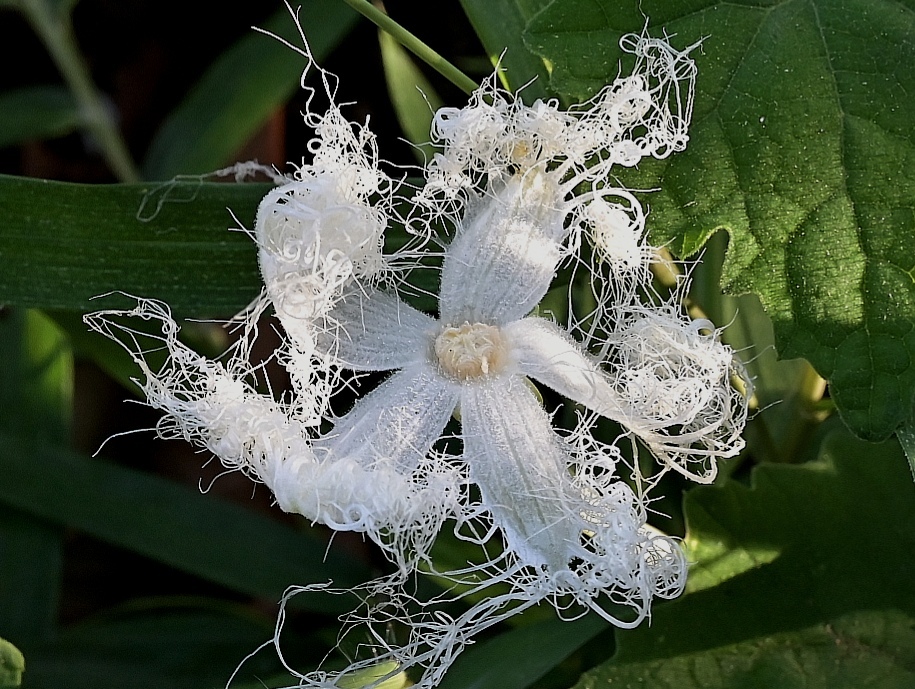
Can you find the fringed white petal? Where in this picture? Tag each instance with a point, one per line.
(396, 424)
(548, 354)
(208, 403)
(505, 254)
(571, 525)
(376, 332)
(521, 469)
(372, 473)
(688, 431)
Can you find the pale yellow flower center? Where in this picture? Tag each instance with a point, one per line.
(470, 350)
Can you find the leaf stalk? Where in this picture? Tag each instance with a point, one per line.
(414, 45)
(55, 29)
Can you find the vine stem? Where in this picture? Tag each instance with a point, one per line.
(414, 45)
(56, 32)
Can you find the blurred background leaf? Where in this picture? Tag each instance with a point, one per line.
(37, 112)
(500, 24)
(200, 534)
(12, 664)
(176, 643)
(242, 89)
(36, 393)
(413, 97)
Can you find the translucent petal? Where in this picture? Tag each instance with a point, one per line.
(521, 469)
(396, 424)
(377, 332)
(546, 353)
(505, 254)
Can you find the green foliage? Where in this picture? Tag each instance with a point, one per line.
(36, 380)
(500, 26)
(801, 148)
(180, 644)
(36, 112)
(202, 535)
(240, 91)
(866, 649)
(522, 656)
(65, 244)
(12, 665)
(802, 578)
(412, 95)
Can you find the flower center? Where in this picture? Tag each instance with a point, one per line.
(471, 350)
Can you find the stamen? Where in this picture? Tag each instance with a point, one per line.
(471, 350)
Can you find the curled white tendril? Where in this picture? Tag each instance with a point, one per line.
(557, 517)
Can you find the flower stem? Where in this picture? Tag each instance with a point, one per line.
(56, 32)
(414, 45)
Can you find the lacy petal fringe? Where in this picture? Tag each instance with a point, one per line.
(557, 517)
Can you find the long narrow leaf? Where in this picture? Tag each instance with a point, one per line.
(197, 533)
(500, 25)
(37, 112)
(36, 387)
(63, 244)
(241, 90)
(519, 658)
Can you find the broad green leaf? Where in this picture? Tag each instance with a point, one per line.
(36, 390)
(787, 393)
(196, 533)
(12, 665)
(37, 112)
(412, 95)
(63, 244)
(801, 147)
(241, 90)
(827, 548)
(520, 657)
(865, 649)
(500, 25)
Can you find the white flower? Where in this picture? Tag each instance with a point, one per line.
(518, 186)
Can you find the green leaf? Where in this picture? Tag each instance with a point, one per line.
(500, 26)
(12, 665)
(36, 391)
(37, 112)
(520, 657)
(63, 244)
(822, 556)
(196, 533)
(801, 147)
(180, 644)
(31, 567)
(241, 90)
(36, 382)
(412, 95)
(866, 649)
(364, 678)
(906, 435)
(787, 393)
